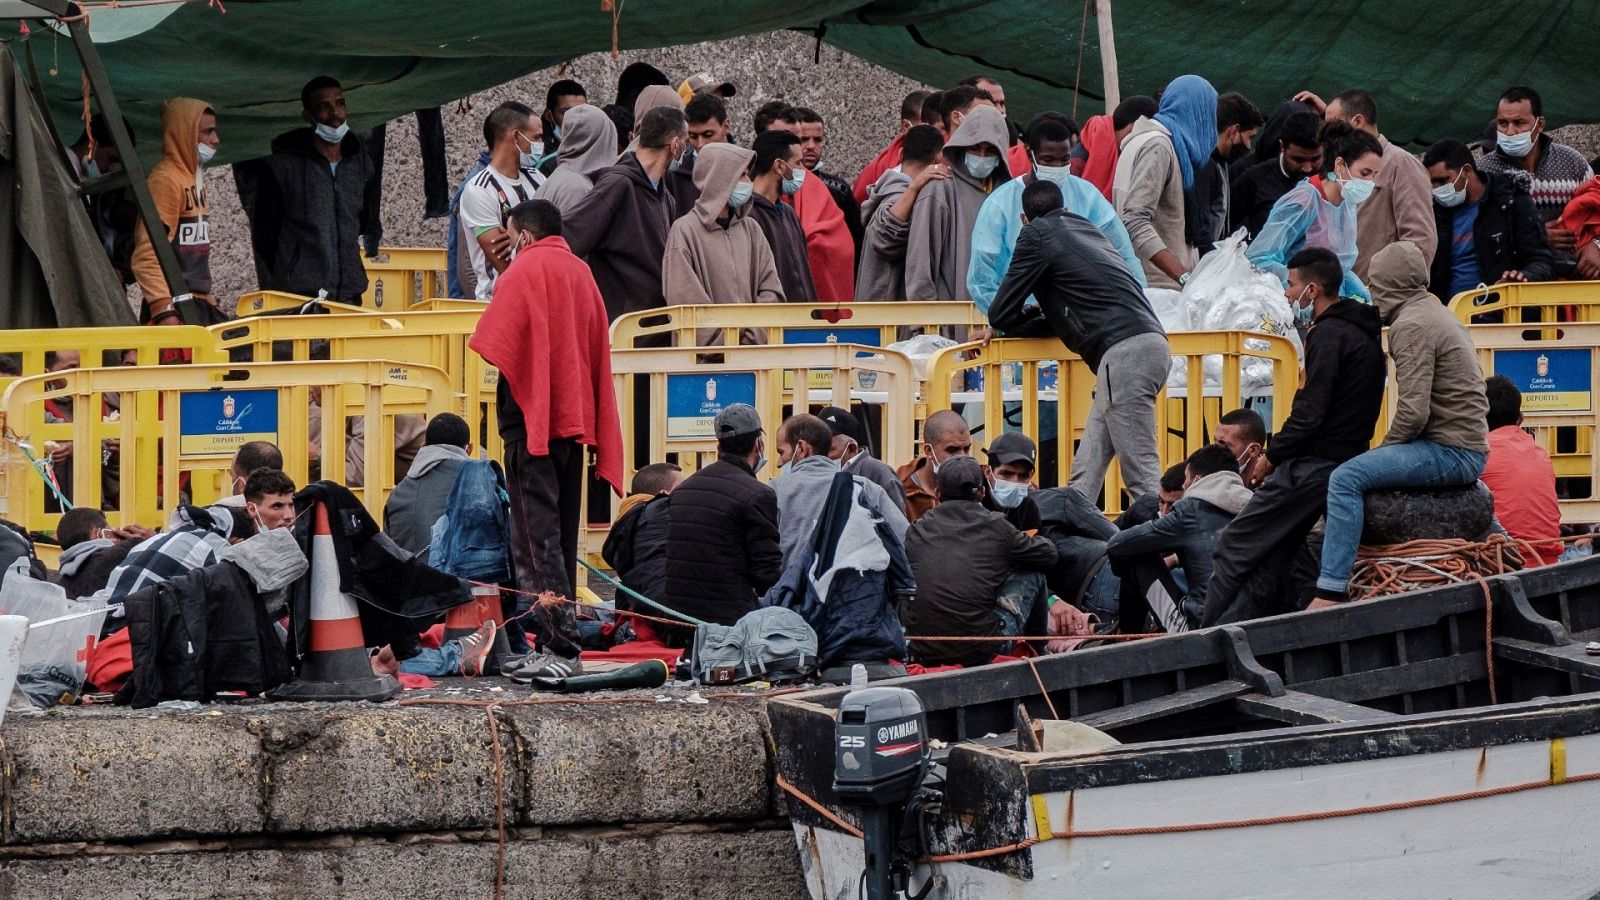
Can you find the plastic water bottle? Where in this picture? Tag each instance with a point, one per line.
(858, 675)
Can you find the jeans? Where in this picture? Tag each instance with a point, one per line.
(440, 663)
(1416, 464)
(1122, 419)
(1020, 606)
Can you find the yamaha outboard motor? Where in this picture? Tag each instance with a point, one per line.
(881, 760)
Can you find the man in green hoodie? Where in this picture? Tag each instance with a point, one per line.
(1439, 435)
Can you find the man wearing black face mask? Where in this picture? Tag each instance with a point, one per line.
(1208, 216)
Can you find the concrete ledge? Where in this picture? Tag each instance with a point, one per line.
(306, 769)
(681, 863)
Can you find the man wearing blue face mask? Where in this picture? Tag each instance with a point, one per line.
(1012, 459)
(307, 202)
(994, 237)
(511, 178)
(939, 242)
(1489, 230)
(1548, 170)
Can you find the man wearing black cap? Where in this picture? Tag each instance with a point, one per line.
(849, 449)
(1012, 458)
(976, 574)
(722, 533)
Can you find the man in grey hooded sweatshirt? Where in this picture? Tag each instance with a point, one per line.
(421, 497)
(715, 252)
(588, 144)
(939, 244)
(886, 215)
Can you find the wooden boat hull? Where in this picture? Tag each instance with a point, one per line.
(1343, 754)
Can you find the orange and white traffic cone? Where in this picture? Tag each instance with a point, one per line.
(488, 603)
(337, 666)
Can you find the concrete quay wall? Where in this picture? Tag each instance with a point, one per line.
(611, 800)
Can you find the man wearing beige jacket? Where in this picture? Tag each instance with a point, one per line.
(1401, 205)
(1439, 436)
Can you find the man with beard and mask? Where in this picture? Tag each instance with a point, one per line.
(307, 202)
(813, 144)
(511, 177)
(1549, 171)
(945, 436)
(775, 174)
(830, 245)
(1331, 420)
(804, 445)
(715, 253)
(1244, 433)
(1208, 214)
(562, 97)
(1299, 157)
(1489, 229)
(939, 243)
(850, 451)
(994, 237)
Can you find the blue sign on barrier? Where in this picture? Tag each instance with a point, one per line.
(220, 422)
(1550, 380)
(869, 337)
(693, 401)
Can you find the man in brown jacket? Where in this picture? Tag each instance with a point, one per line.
(1439, 434)
(1401, 205)
(715, 253)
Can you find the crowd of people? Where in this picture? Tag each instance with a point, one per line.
(577, 214)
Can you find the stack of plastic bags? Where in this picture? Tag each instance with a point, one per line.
(1226, 293)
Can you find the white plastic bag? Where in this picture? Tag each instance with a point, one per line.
(1173, 314)
(1227, 293)
(23, 595)
(921, 349)
(55, 657)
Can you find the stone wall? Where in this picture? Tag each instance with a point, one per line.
(628, 799)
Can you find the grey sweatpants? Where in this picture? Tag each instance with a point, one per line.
(1122, 421)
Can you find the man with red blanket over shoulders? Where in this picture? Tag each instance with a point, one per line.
(829, 247)
(546, 331)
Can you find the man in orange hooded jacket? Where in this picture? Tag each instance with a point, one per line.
(188, 141)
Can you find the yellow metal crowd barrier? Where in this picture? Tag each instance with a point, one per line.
(1541, 301)
(156, 432)
(1012, 369)
(258, 303)
(426, 338)
(127, 345)
(1556, 369)
(408, 275)
(869, 324)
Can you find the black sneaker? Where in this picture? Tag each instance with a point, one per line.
(547, 666)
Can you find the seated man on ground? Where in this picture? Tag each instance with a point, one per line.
(464, 656)
(1438, 436)
(1082, 576)
(1519, 474)
(945, 436)
(807, 478)
(1244, 432)
(1213, 494)
(636, 545)
(248, 458)
(420, 498)
(977, 574)
(194, 544)
(1012, 458)
(722, 529)
(1153, 506)
(850, 450)
(91, 549)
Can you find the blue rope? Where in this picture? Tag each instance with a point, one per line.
(640, 597)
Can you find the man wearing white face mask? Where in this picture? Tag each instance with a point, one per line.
(188, 141)
(939, 242)
(307, 202)
(1489, 230)
(715, 253)
(1523, 151)
(511, 177)
(994, 237)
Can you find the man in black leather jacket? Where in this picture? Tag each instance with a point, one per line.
(1089, 299)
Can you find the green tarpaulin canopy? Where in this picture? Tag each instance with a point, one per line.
(1435, 68)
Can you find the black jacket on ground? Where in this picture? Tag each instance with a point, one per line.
(722, 543)
(1087, 296)
(636, 549)
(1508, 234)
(398, 595)
(1335, 411)
(195, 636)
(306, 216)
(961, 554)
